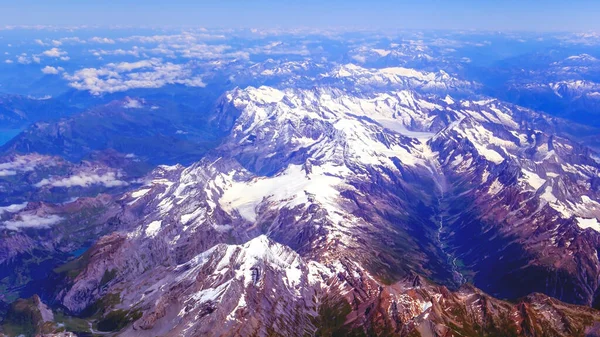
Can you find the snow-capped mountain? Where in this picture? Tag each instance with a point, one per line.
(567, 87)
(350, 76)
(321, 203)
(399, 78)
(298, 182)
(411, 55)
(580, 62)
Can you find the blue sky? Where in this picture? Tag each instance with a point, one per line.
(548, 15)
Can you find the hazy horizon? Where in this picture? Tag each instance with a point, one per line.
(544, 16)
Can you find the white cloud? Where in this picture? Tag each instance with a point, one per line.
(103, 40)
(8, 61)
(188, 44)
(115, 77)
(184, 38)
(73, 39)
(130, 66)
(40, 98)
(108, 179)
(204, 51)
(32, 221)
(5, 173)
(24, 163)
(13, 208)
(135, 51)
(54, 52)
(133, 104)
(193, 45)
(52, 70)
(279, 48)
(23, 60)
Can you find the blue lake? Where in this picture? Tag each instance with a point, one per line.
(7, 134)
(79, 252)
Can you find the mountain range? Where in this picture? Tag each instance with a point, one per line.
(384, 195)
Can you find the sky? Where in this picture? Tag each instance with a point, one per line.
(524, 15)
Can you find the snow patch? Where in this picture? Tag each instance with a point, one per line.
(288, 189)
(533, 179)
(140, 193)
(588, 223)
(153, 228)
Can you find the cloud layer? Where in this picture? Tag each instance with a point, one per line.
(115, 77)
(108, 179)
(23, 163)
(12, 208)
(32, 221)
(49, 70)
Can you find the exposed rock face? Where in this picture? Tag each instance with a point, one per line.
(261, 288)
(29, 317)
(321, 206)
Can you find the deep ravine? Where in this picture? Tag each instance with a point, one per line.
(457, 276)
(439, 214)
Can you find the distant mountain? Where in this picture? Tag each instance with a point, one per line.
(156, 133)
(350, 76)
(567, 88)
(17, 112)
